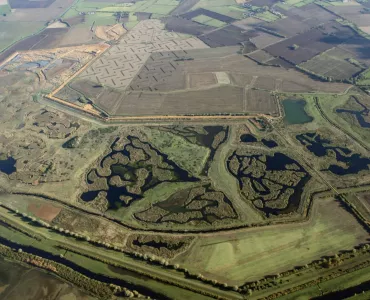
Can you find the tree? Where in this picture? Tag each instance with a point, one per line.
(20, 250)
(83, 99)
(294, 47)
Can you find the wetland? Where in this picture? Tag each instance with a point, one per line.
(347, 161)
(361, 114)
(273, 183)
(130, 168)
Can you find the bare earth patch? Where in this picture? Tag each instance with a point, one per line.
(46, 212)
(110, 33)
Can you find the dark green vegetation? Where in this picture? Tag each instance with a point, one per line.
(274, 183)
(347, 162)
(191, 206)
(295, 112)
(162, 246)
(230, 162)
(134, 170)
(127, 171)
(355, 109)
(208, 136)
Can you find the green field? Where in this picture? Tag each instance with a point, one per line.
(213, 3)
(340, 3)
(364, 78)
(11, 32)
(208, 21)
(339, 283)
(267, 16)
(100, 19)
(292, 2)
(188, 155)
(50, 240)
(297, 3)
(101, 268)
(303, 3)
(224, 7)
(232, 11)
(162, 7)
(246, 256)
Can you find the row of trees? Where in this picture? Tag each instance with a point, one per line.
(248, 288)
(101, 289)
(152, 259)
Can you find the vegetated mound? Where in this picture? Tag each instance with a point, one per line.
(54, 125)
(162, 246)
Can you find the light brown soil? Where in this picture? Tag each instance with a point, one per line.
(110, 33)
(46, 212)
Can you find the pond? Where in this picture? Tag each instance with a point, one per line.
(269, 143)
(320, 147)
(7, 166)
(268, 182)
(153, 163)
(295, 112)
(248, 138)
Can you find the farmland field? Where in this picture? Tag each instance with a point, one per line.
(11, 33)
(193, 149)
(333, 64)
(41, 284)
